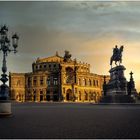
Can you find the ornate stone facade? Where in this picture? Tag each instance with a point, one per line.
(57, 78)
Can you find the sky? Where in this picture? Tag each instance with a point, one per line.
(89, 30)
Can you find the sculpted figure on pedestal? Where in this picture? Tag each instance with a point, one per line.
(117, 55)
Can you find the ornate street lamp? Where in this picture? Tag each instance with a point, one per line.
(5, 48)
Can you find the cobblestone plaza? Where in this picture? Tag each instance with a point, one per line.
(71, 120)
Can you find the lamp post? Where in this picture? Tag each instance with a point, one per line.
(5, 48)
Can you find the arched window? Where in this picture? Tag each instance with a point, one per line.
(41, 80)
(35, 81)
(49, 66)
(94, 96)
(69, 75)
(94, 83)
(48, 81)
(79, 81)
(86, 96)
(29, 81)
(91, 96)
(45, 66)
(41, 95)
(34, 95)
(79, 96)
(97, 83)
(90, 82)
(85, 69)
(55, 81)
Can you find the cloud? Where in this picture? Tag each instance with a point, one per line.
(101, 5)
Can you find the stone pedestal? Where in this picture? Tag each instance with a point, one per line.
(5, 104)
(4, 92)
(117, 83)
(115, 91)
(5, 108)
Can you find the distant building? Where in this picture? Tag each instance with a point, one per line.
(57, 78)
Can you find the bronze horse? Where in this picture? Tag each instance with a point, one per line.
(117, 57)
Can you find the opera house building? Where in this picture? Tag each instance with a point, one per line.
(57, 78)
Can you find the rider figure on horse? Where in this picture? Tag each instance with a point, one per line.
(115, 52)
(117, 55)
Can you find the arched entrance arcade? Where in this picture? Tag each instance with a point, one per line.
(69, 95)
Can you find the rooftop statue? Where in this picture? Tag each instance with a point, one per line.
(67, 56)
(117, 55)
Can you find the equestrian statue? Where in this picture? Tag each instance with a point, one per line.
(117, 55)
